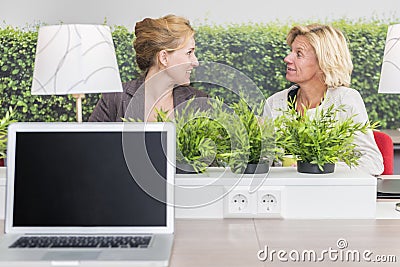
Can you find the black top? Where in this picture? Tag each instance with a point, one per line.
(293, 93)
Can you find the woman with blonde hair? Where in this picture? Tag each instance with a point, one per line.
(165, 54)
(320, 67)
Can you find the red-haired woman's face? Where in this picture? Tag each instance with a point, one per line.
(181, 63)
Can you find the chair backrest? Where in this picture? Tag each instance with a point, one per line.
(385, 145)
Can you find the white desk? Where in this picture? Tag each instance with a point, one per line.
(344, 194)
(235, 242)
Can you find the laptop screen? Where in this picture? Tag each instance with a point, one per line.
(89, 179)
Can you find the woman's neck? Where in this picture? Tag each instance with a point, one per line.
(157, 84)
(310, 96)
(158, 94)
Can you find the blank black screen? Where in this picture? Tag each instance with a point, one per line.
(81, 179)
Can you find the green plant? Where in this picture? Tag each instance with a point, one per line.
(320, 137)
(256, 140)
(222, 135)
(4, 123)
(216, 120)
(198, 135)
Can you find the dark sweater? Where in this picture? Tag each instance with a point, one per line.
(130, 103)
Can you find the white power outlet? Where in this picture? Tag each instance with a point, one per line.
(269, 202)
(239, 203)
(266, 202)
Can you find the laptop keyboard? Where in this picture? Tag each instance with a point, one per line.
(82, 242)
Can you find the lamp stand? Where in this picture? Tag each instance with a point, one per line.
(78, 98)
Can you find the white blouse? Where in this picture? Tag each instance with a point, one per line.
(371, 159)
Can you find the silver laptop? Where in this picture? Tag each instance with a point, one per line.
(89, 194)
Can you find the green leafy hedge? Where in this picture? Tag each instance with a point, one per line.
(257, 50)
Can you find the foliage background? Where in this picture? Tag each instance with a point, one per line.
(257, 50)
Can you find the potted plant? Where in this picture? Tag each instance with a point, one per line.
(4, 123)
(198, 137)
(253, 137)
(319, 140)
(222, 135)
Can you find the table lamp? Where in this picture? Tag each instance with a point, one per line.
(75, 59)
(390, 73)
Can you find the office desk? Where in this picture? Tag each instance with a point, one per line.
(236, 242)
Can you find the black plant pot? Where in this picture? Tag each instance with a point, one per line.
(306, 167)
(184, 168)
(256, 168)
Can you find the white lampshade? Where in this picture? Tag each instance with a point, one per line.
(75, 59)
(390, 74)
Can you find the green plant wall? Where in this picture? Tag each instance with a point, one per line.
(257, 50)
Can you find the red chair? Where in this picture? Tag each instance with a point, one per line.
(385, 145)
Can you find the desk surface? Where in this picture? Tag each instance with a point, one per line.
(235, 242)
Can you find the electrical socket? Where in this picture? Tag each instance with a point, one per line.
(269, 202)
(266, 202)
(239, 203)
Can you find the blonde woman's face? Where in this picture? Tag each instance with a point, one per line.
(302, 63)
(181, 63)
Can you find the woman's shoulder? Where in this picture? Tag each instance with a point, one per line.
(186, 91)
(350, 98)
(277, 102)
(132, 86)
(197, 92)
(182, 94)
(344, 91)
(279, 95)
(280, 98)
(344, 94)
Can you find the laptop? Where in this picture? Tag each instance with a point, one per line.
(89, 194)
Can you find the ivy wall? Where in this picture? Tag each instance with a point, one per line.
(256, 50)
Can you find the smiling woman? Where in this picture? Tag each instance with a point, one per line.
(165, 54)
(320, 67)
